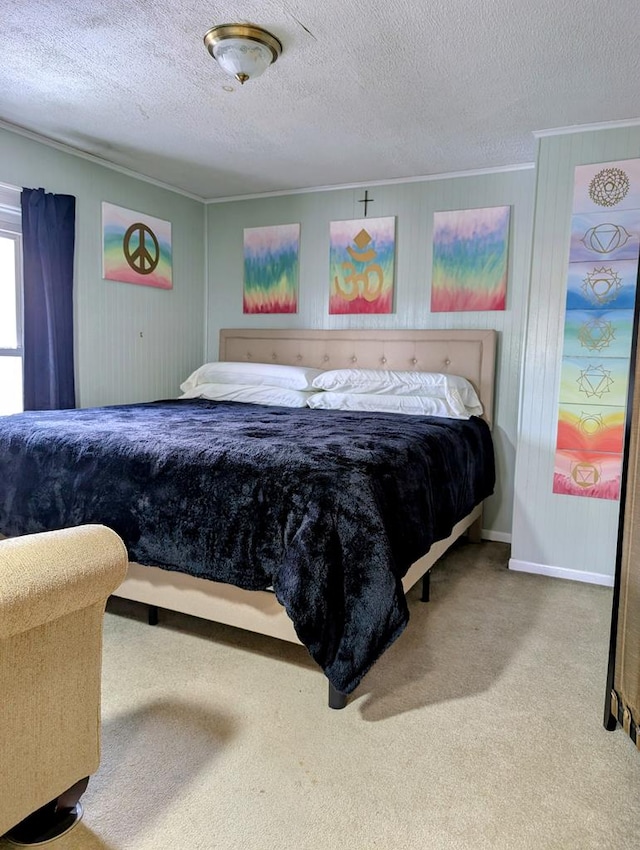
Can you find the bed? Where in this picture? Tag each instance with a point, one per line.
(341, 583)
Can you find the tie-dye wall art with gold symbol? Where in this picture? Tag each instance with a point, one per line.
(470, 256)
(362, 262)
(601, 291)
(271, 269)
(136, 247)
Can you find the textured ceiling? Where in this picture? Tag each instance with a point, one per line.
(363, 91)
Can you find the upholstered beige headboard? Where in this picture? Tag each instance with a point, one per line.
(470, 353)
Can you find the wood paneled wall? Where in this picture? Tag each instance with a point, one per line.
(413, 204)
(563, 533)
(133, 343)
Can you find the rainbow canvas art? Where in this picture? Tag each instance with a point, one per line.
(362, 262)
(591, 428)
(470, 255)
(601, 293)
(271, 269)
(136, 247)
(599, 380)
(598, 333)
(611, 185)
(592, 474)
(604, 237)
(602, 285)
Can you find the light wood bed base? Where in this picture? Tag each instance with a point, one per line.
(470, 353)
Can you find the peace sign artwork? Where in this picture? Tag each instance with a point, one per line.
(136, 247)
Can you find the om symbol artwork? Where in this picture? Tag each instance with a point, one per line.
(141, 248)
(367, 283)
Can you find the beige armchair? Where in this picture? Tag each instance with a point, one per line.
(53, 590)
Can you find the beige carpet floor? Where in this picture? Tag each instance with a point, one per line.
(480, 728)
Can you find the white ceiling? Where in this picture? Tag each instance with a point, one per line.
(363, 91)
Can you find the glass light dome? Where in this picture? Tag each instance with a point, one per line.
(242, 59)
(242, 50)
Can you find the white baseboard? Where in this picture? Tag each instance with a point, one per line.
(497, 536)
(560, 572)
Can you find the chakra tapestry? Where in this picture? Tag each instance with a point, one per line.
(601, 292)
(136, 247)
(271, 269)
(470, 253)
(362, 260)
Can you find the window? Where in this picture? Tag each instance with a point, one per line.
(10, 301)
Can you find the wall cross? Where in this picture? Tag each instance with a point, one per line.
(366, 201)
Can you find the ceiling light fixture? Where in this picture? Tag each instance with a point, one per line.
(243, 51)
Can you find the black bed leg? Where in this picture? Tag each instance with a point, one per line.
(474, 532)
(152, 615)
(336, 698)
(426, 586)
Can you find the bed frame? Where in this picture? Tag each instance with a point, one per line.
(470, 353)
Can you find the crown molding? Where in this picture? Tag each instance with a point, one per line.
(477, 172)
(10, 196)
(587, 128)
(96, 160)
(425, 178)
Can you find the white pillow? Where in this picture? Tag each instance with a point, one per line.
(452, 388)
(253, 374)
(435, 384)
(415, 405)
(278, 396)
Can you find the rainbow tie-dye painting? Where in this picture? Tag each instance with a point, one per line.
(470, 254)
(136, 247)
(271, 269)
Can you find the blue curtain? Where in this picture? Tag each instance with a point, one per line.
(48, 236)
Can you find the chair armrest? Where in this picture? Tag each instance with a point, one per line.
(45, 576)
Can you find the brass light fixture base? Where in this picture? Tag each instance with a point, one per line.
(218, 34)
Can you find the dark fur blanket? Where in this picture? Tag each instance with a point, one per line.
(328, 508)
